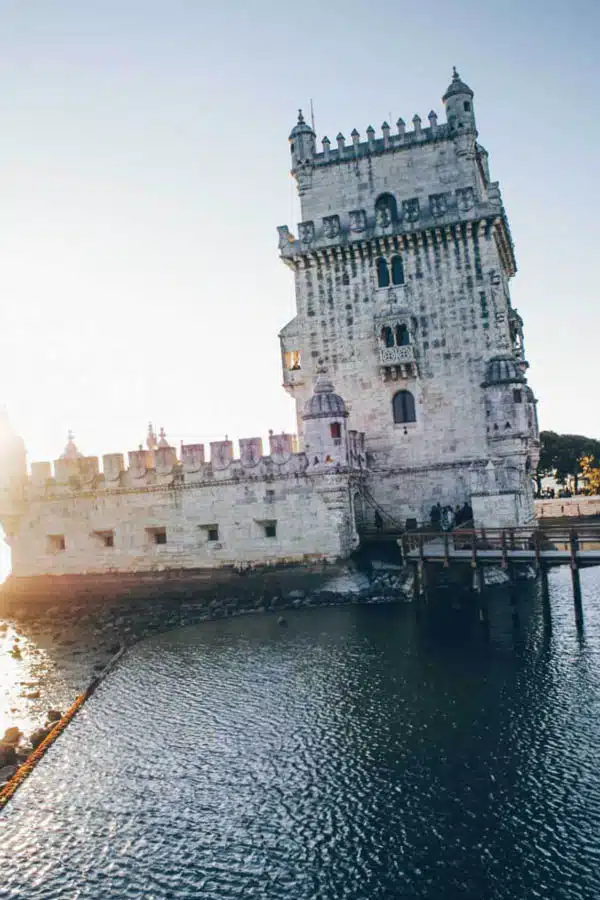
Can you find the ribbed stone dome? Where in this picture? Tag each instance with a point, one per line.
(502, 370)
(324, 403)
(301, 127)
(457, 87)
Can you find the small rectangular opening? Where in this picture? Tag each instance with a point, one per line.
(56, 543)
(517, 395)
(211, 532)
(106, 538)
(157, 535)
(269, 496)
(270, 529)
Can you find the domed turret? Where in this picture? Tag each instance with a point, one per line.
(505, 399)
(458, 101)
(325, 433)
(302, 142)
(324, 401)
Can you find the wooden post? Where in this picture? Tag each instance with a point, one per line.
(416, 584)
(546, 611)
(446, 550)
(405, 548)
(424, 584)
(536, 547)
(576, 582)
(504, 551)
(474, 550)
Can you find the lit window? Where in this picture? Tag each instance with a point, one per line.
(292, 360)
(403, 405)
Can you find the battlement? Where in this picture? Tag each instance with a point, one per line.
(164, 467)
(387, 143)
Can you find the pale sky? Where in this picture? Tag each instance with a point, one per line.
(144, 167)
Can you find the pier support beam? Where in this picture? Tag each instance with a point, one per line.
(575, 578)
(546, 611)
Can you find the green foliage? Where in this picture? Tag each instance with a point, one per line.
(561, 455)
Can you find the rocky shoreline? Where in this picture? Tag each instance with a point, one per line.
(55, 643)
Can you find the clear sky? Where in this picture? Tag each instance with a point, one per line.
(144, 167)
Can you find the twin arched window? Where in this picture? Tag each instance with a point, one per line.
(395, 337)
(403, 405)
(383, 271)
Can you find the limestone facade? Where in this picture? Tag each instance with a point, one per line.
(402, 265)
(162, 512)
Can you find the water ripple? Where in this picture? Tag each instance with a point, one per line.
(355, 754)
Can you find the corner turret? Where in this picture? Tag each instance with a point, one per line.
(458, 101)
(325, 426)
(302, 143)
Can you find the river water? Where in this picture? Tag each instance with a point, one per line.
(356, 753)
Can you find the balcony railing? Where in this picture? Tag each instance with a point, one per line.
(396, 356)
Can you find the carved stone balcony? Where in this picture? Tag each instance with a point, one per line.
(395, 356)
(398, 362)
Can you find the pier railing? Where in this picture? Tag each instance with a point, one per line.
(553, 544)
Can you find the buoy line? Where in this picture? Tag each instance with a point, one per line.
(33, 759)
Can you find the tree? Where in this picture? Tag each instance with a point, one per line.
(561, 455)
(591, 471)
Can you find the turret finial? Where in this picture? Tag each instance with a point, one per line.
(151, 438)
(301, 117)
(71, 451)
(163, 442)
(455, 75)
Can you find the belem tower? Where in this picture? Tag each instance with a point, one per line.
(405, 361)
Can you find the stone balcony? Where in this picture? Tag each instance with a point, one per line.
(292, 378)
(398, 362)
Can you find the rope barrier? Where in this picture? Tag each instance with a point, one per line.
(23, 772)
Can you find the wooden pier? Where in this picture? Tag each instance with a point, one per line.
(541, 547)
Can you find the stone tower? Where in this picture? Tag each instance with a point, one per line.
(402, 264)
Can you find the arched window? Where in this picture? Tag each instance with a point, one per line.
(387, 336)
(397, 270)
(386, 210)
(403, 405)
(383, 273)
(402, 338)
